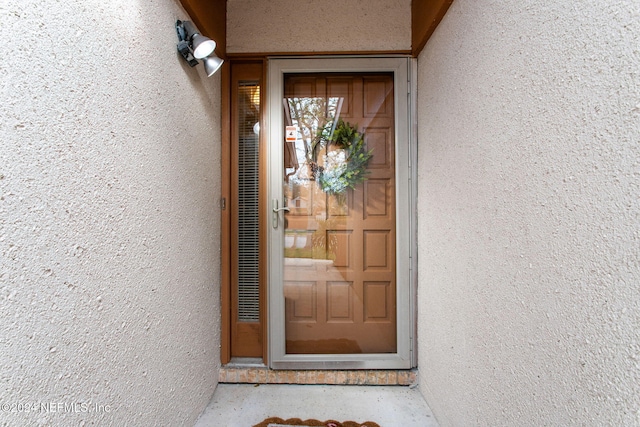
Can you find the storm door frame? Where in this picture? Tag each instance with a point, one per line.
(404, 75)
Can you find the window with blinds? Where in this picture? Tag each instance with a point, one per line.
(248, 197)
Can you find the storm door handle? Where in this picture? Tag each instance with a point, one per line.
(276, 212)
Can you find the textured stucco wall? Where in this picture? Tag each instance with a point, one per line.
(109, 249)
(529, 204)
(318, 26)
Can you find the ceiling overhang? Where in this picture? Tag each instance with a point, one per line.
(210, 17)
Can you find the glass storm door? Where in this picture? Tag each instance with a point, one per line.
(338, 298)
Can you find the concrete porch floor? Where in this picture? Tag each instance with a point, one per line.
(244, 405)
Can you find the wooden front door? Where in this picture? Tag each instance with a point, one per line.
(339, 243)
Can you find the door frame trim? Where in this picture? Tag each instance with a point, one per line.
(403, 69)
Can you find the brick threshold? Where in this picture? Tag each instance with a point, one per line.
(264, 375)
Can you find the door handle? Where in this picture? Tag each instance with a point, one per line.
(276, 212)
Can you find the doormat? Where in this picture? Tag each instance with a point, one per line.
(279, 422)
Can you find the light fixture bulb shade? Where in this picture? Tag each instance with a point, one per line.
(212, 64)
(202, 46)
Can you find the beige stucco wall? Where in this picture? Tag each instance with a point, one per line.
(529, 206)
(109, 187)
(318, 26)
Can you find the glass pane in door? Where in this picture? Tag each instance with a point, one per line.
(340, 231)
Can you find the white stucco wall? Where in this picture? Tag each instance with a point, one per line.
(529, 140)
(109, 190)
(318, 26)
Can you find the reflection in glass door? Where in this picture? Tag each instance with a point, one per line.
(339, 238)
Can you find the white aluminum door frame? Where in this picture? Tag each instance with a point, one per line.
(403, 69)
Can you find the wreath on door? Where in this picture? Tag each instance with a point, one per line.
(345, 163)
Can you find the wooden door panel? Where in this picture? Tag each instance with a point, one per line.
(375, 250)
(377, 302)
(342, 88)
(303, 302)
(303, 87)
(379, 140)
(376, 100)
(340, 248)
(342, 209)
(339, 302)
(377, 195)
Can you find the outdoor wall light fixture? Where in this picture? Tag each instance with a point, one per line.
(193, 46)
